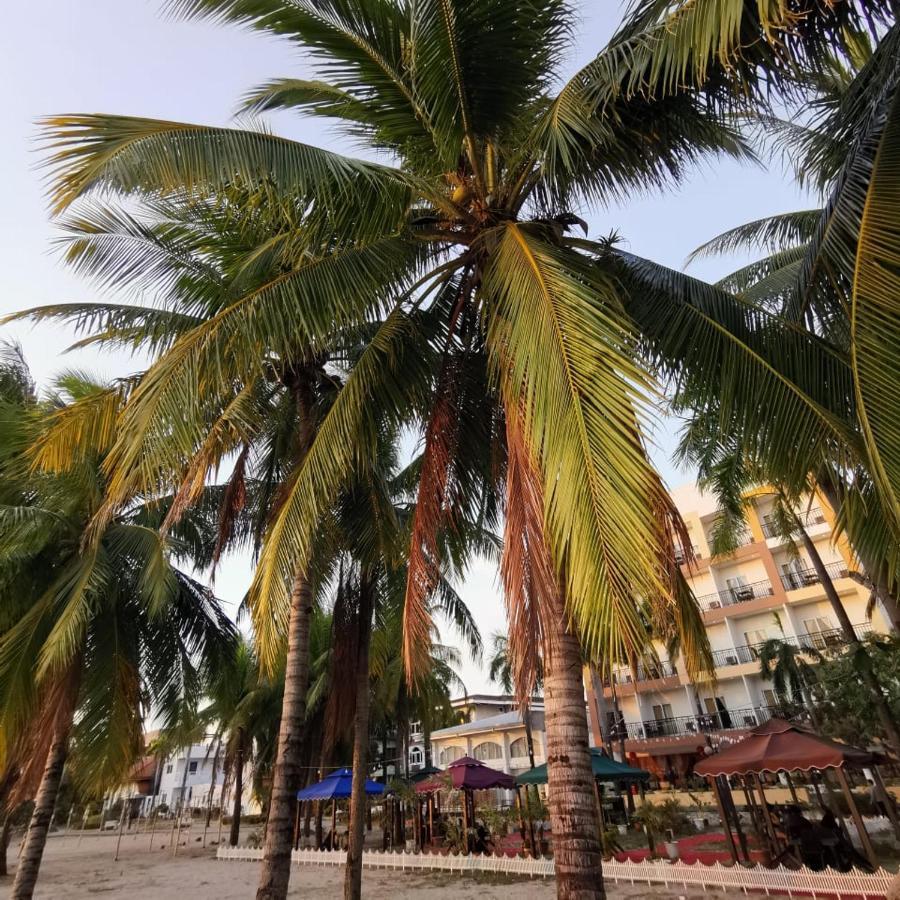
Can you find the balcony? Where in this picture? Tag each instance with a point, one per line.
(801, 578)
(735, 656)
(680, 726)
(815, 516)
(681, 557)
(652, 672)
(742, 593)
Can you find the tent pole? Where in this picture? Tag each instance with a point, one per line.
(755, 814)
(857, 818)
(297, 826)
(465, 821)
(738, 828)
(891, 808)
(521, 817)
(334, 824)
(791, 788)
(767, 817)
(714, 786)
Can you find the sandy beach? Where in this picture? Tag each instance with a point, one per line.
(78, 871)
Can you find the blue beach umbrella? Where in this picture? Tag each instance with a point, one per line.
(337, 786)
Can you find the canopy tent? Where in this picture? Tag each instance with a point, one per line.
(779, 746)
(470, 775)
(604, 768)
(466, 775)
(337, 786)
(425, 773)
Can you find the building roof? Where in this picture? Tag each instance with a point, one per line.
(493, 699)
(488, 723)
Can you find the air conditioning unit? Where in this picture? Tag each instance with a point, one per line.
(731, 660)
(628, 678)
(715, 605)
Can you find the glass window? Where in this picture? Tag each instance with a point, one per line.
(451, 754)
(169, 769)
(488, 750)
(518, 747)
(192, 767)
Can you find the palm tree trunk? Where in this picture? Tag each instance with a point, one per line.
(212, 785)
(529, 738)
(235, 833)
(5, 835)
(353, 870)
(426, 735)
(573, 810)
(276, 866)
(874, 573)
(856, 647)
(36, 838)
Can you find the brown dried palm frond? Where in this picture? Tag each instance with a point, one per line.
(55, 713)
(430, 516)
(529, 582)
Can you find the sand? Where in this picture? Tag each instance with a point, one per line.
(74, 871)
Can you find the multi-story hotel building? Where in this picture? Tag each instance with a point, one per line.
(765, 589)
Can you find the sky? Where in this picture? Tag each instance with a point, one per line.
(128, 57)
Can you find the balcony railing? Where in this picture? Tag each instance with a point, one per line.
(662, 669)
(741, 593)
(678, 726)
(815, 516)
(815, 640)
(681, 556)
(802, 578)
(734, 656)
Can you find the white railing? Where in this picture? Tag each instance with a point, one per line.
(802, 881)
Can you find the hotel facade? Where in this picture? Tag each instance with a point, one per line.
(764, 589)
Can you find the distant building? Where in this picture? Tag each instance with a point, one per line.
(494, 734)
(154, 783)
(762, 590)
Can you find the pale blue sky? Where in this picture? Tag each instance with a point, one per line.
(124, 56)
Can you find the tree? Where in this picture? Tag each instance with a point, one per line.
(92, 640)
(244, 707)
(842, 699)
(527, 355)
(792, 677)
(500, 671)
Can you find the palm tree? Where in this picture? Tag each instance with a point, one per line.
(792, 677)
(526, 354)
(243, 707)
(500, 671)
(817, 269)
(94, 639)
(197, 256)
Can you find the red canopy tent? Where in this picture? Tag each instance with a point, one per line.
(467, 775)
(470, 775)
(780, 746)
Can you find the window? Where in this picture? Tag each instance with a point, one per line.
(488, 750)
(769, 697)
(662, 711)
(415, 727)
(451, 754)
(519, 747)
(169, 769)
(192, 767)
(718, 712)
(822, 632)
(416, 756)
(739, 588)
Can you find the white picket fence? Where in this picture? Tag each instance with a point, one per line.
(801, 881)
